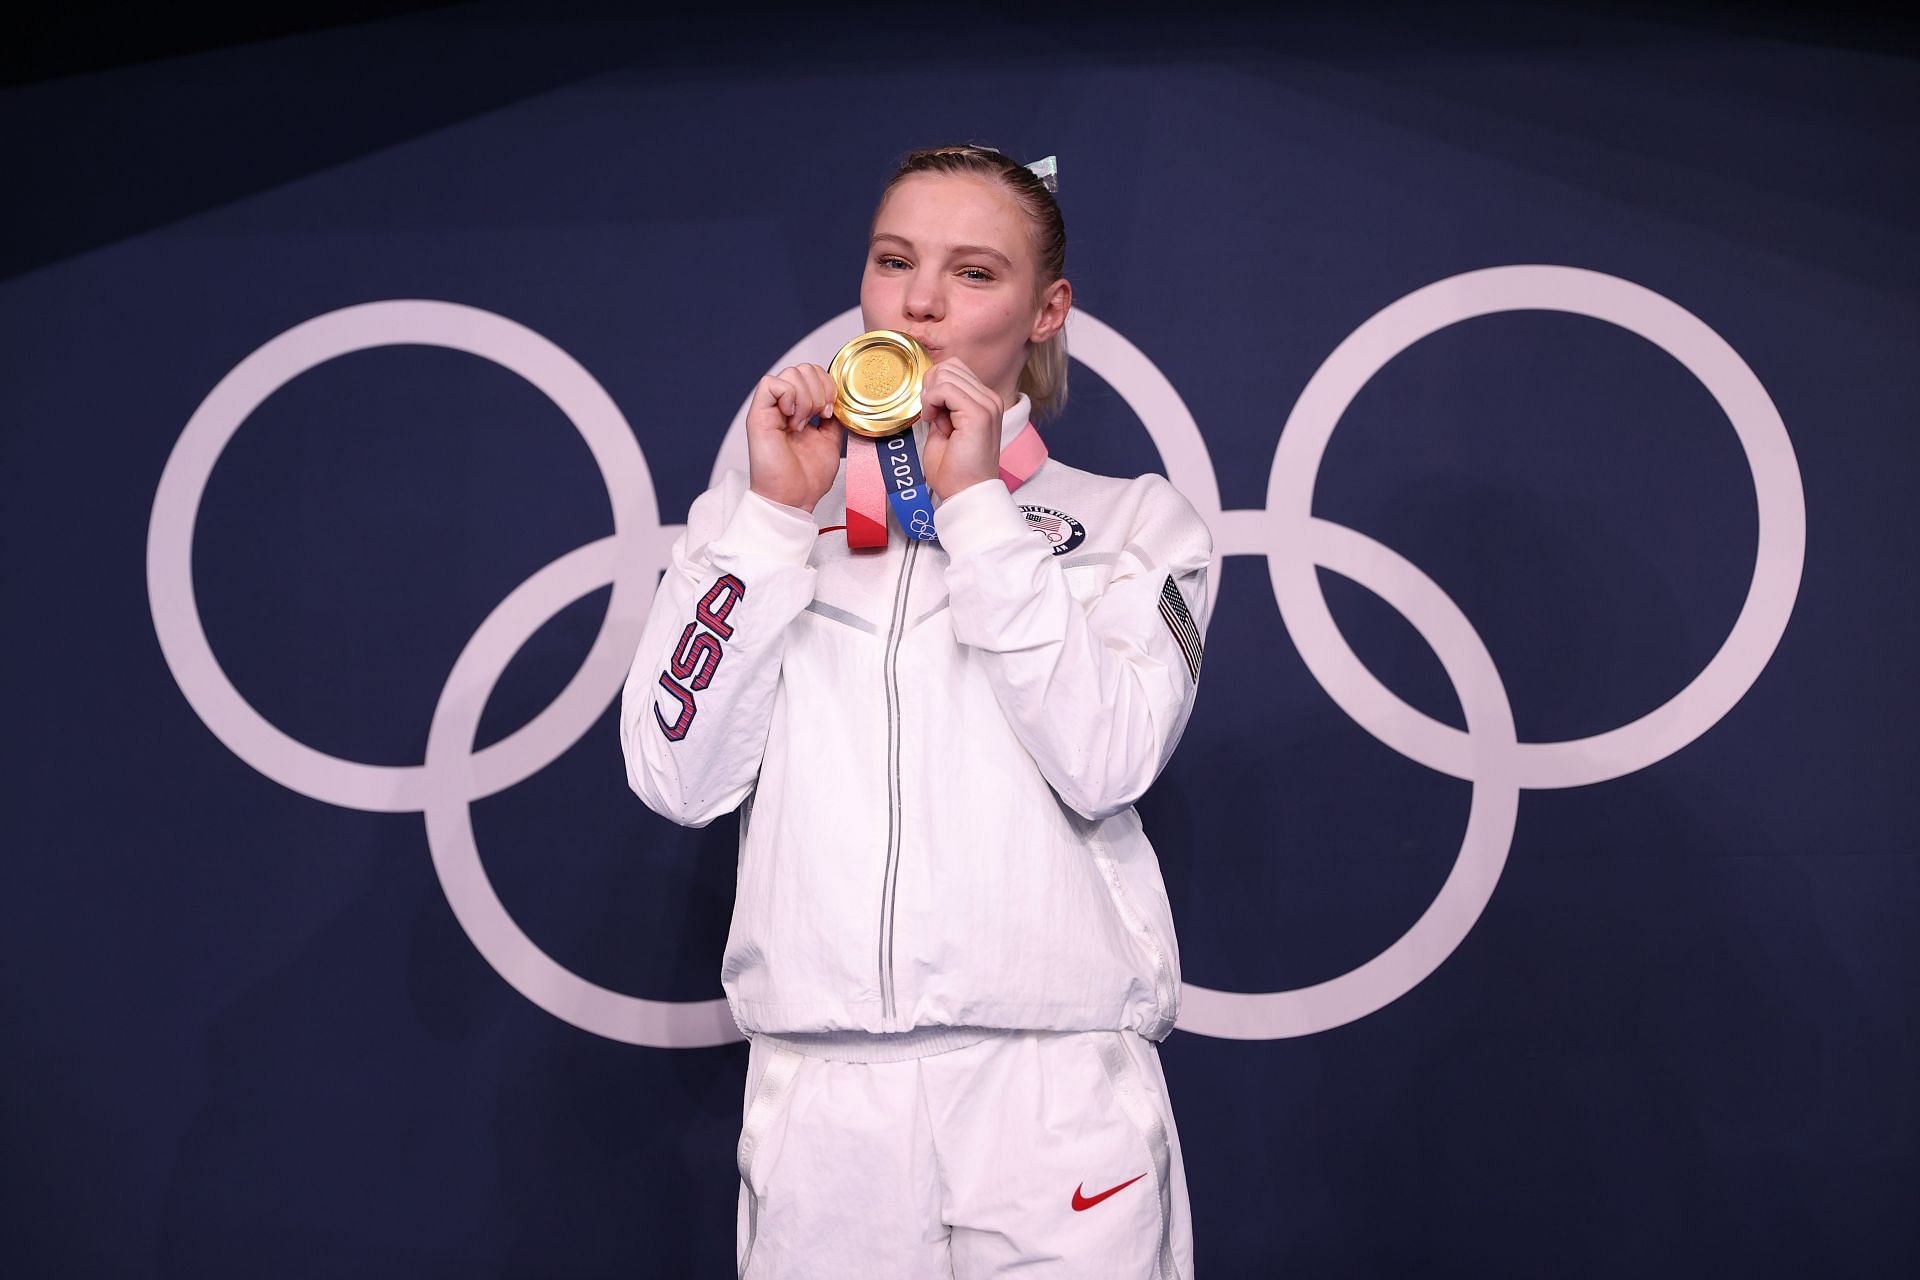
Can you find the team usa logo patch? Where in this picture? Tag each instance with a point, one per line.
(1173, 607)
(1061, 530)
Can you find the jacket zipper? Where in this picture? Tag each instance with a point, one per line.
(895, 633)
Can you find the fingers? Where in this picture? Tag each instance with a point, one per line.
(823, 382)
(955, 367)
(954, 390)
(953, 372)
(777, 391)
(800, 394)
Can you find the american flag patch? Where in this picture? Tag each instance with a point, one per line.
(1173, 607)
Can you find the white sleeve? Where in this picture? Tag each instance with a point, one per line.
(698, 699)
(1098, 693)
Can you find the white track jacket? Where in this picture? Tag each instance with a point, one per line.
(935, 748)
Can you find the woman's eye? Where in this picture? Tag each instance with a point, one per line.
(890, 262)
(975, 273)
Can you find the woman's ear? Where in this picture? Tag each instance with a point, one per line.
(1056, 300)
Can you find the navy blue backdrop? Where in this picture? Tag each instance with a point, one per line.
(247, 1034)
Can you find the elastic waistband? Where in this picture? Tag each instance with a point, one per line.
(864, 1046)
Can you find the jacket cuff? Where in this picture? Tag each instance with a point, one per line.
(763, 529)
(980, 518)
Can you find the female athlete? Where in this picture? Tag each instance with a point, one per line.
(951, 948)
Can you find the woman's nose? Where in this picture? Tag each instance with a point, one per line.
(924, 300)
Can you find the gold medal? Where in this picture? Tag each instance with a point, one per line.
(876, 380)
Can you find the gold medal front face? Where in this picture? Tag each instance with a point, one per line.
(877, 373)
(876, 380)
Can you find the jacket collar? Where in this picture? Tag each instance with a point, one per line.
(1015, 420)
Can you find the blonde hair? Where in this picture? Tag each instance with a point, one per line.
(1044, 377)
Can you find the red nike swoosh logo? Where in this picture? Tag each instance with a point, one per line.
(1083, 1202)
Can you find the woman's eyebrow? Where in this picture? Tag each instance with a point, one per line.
(984, 252)
(959, 249)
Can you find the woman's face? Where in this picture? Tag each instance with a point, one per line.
(951, 263)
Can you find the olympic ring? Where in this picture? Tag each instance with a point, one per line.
(1487, 752)
(1705, 354)
(454, 775)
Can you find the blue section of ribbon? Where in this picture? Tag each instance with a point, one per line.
(907, 491)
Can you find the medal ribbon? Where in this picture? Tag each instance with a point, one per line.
(889, 474)
(907, 491)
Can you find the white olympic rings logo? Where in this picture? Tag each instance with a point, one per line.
(1487, 753)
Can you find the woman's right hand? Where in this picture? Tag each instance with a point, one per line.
(793, 439)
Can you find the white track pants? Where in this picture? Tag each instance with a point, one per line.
(1052, 1154)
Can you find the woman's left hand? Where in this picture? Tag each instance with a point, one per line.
(963, 429)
